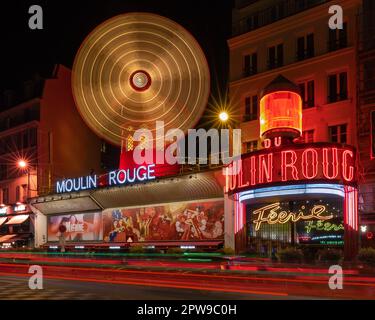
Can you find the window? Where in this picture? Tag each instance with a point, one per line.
(24, 192)
(337, 87)
(305, 47)
(338, 133)
(250, 64)
(18, 194)
(251, 108)
(103, 147)
(251, 146)
(306, 137)
(307, 93)
(33, 137)
(338, 38)
(276, 56)
(5, 196)
(3, 171)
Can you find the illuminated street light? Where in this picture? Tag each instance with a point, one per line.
(223, 116)
(22, 164)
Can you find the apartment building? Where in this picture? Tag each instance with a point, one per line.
(41, 140)
(292, 38)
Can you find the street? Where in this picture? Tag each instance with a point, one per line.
(67, 282)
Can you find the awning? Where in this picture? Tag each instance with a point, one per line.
(7, 238)
(2, 220)
(175, 189)
(18, 219)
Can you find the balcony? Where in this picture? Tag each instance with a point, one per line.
(250, 117)
(279, 11)
(274, 63)
(249, 72)
(337, 44)
(337, 97)
(303, 55)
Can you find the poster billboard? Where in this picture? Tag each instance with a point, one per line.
(79, 227)
(183, 221)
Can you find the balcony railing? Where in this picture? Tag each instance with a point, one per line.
(249, 72)
(337, 44)
(278, 11)
(337, 97)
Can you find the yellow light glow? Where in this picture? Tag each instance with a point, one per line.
(223, 116)
(22, 164)
(281, 110)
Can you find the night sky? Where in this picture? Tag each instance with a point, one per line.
(26, 52)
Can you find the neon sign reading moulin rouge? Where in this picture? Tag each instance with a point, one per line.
(114, 178)
(293, 164)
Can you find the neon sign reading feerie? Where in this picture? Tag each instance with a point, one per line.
(322, 162)
(273, 214)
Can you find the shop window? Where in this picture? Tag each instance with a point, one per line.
(338, 133)
(250, 64)
(307, 89)
(276, 56)
(337, 87)
(251, 108)
(305, 47)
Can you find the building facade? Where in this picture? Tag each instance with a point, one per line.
(293, 39)
(38, 146)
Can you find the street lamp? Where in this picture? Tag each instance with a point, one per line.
(223, 116)
(22, 164)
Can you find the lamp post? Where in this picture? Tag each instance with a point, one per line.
(23, 165)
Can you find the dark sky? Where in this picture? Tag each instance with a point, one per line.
(66, 24)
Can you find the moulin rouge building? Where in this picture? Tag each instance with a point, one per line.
(287, 194)
(290, 194)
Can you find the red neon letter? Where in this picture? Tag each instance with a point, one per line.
(265, 168)
(240, 176)
(335, 163)
(350, 175)
(267, 143)
(285, 165)
(314, 163)
(277, 141)
(253, 171)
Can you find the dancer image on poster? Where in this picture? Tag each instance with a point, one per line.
(79, 227)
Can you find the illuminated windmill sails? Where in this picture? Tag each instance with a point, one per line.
(136, 69)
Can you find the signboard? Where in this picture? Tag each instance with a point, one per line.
(113, 178)
(311, 221)
(331, 163)
(78, 227)
(174, 221)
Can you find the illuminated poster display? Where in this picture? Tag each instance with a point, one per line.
(175, 221)
(79, 227)
(311, 221)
